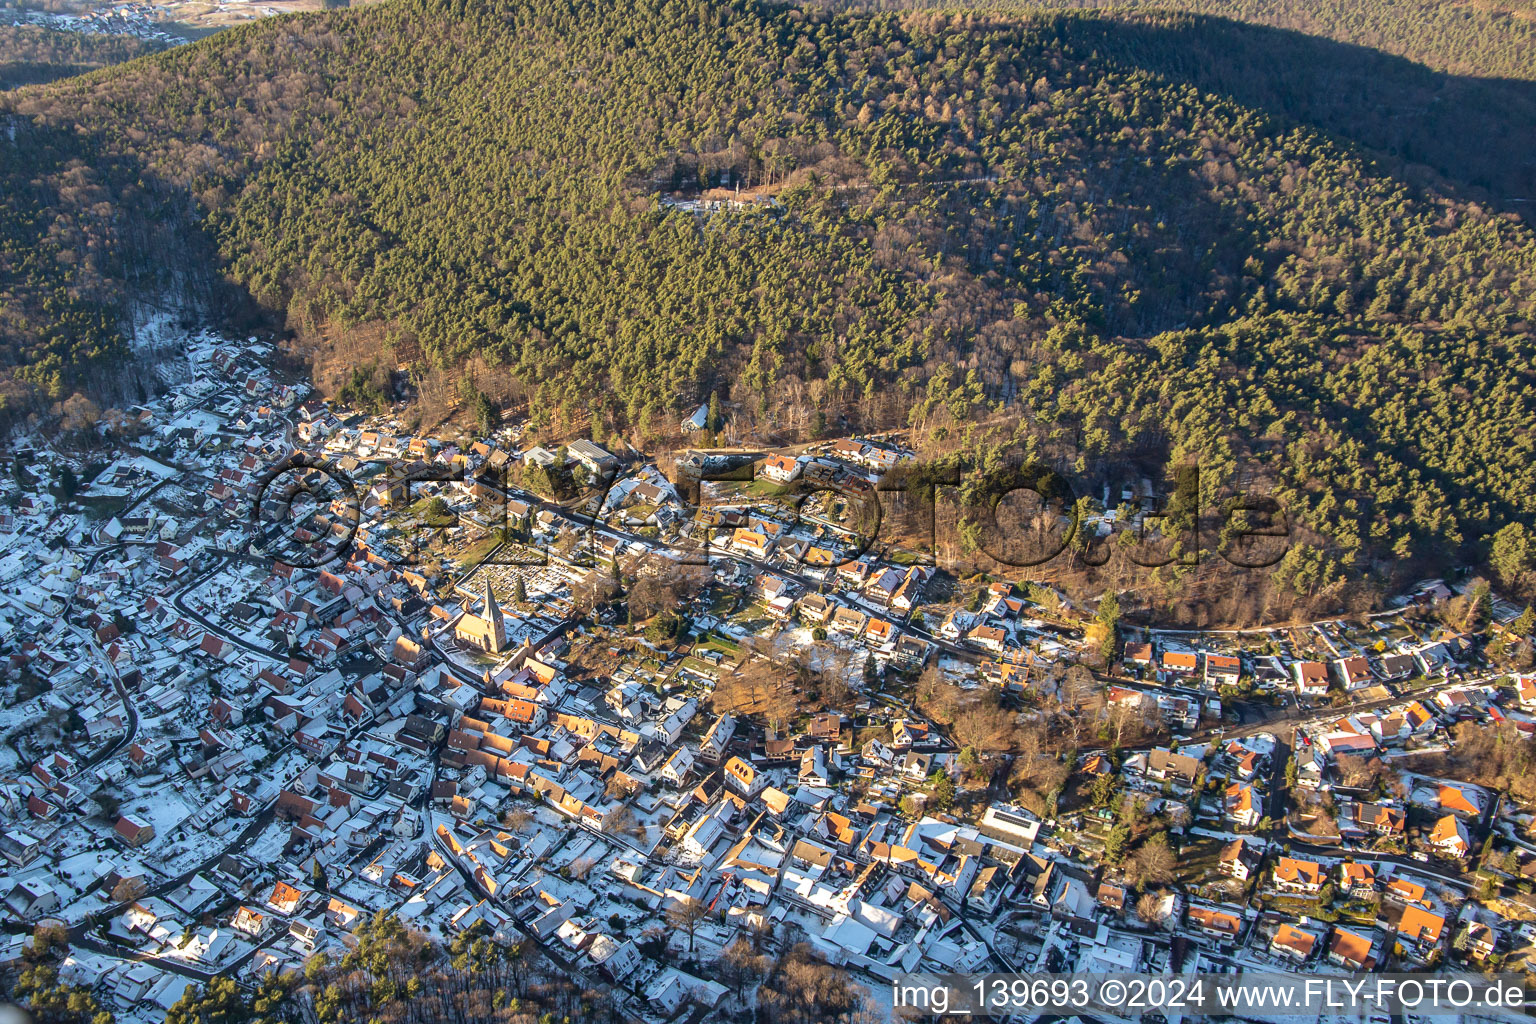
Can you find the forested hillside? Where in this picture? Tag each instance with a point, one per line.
(31, 53)
(1058, 224)
(1486, 38)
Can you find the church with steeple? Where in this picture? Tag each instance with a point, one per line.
(488, 630)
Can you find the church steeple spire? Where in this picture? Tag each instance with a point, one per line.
(493, 619)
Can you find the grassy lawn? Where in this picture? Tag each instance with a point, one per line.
(1198, 858)
(716, 642)
(721, 602)
(477, 552)
(700, 667)
(762, 488)
(877, 732)
(1363, 914)
(754, 618)
(1297, 906)
(419, 511)
(101, 508)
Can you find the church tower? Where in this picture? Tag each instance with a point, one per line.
(496, 627)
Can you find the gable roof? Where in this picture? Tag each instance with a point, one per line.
(1355, 874)
(1418, 923)
(1303, 872)
(1295, 940)
(1449, 830)
(1349, 947)
(1453, 798)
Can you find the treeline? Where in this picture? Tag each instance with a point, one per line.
(393, 975)
(30, 54)
(1491, 39)
(59, 312)
(1035, 221)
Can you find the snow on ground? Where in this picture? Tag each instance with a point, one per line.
(268, 845)
(197, 419)
(154, 467)
(1227, 837)
(164, 808)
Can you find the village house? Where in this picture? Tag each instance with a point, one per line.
(779, 469)
(1349, 950)
(743, 778)
(848, 450)
(849, 621)
(1165, 764)
(1311, 678)
(676, 768)
(1478, 939)
(1296, 877)
(1138, 655)
(1244, 761)
(1449, 837)
(910, 592)
(1293, 943)
(1238, 859)
(828, 725)
(133, 832)
(816, 609)
(1218, 924)
(911, 652)
(716, 739)
(989, 637)
(1420, 928)
(813, 767)
(1222, 670)
(1525, 690)
(1241, 805)
(1180, 663)
(1357, 880)
(1403, 891)
(1377, 819)
(1353, 673)
(751, 543)
(1460, 801)
(285, 899)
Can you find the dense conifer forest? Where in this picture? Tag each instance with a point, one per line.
(31, 53)
(1488, 38)
(1117, 239)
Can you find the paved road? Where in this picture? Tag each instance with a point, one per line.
(809, 584)
(179, 601)
(171, 964)
(129, 734)
(1282, 723)
(1407, 863)
(252, 829)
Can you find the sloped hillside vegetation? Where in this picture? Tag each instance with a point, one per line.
(1038, 222)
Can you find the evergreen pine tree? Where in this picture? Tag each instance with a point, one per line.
(712, 418)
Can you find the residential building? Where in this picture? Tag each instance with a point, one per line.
(1298, 877)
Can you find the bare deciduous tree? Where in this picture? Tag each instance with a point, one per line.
(685, 914)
